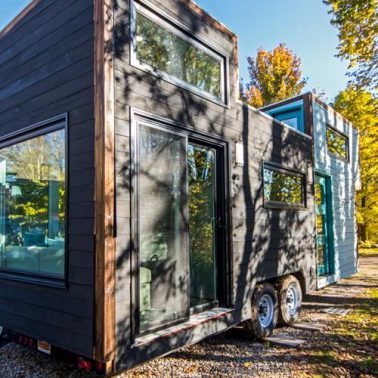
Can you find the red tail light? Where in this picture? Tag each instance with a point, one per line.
(84, 364)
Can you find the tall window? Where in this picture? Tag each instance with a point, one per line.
(167, 50)
(32, 205)
(337, 143)
(283, 188)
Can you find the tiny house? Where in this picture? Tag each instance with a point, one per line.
(143, 206)
(335, 156)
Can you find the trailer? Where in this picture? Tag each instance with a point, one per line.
(143, 206)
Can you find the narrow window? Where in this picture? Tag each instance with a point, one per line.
(337, 143)
(166, 50)
(32, 205)
(283, 188)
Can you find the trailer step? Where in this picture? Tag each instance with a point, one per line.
(336, 311)
(308, 326)
(285, 340)
(194, 321)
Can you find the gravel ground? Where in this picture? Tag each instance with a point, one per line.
(330, 353)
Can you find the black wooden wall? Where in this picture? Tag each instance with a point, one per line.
(46, 69)
(265, 243)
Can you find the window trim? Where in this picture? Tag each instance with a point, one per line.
(288, 171)
(296, 111)
(180, 30)
(47, 126)
(343, 135)
(330, 210)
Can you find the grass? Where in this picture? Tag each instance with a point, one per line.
(354, 340)
(362, 322)
(367, 251)
(325, 356)
(370, 365)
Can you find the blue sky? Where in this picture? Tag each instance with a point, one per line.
(9, 9)
(302, 24)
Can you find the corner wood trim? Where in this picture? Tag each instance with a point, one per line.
(104, 348)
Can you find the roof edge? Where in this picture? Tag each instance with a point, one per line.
(213, 21)
(314, 97)
(12, 23)
(286, 100)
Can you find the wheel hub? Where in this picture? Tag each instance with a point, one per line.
(291, 300)
(266, 310)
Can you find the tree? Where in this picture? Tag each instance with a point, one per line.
(357, 24)
(274, 76)
(361, 108)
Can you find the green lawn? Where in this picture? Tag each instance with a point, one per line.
(367, 251)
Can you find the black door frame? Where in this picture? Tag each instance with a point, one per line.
(223, 242)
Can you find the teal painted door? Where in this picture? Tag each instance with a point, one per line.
(323, 225)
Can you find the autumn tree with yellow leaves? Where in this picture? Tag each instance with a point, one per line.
(357, 25)
(274, 76)
(361, 108)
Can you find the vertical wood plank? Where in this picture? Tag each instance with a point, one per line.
(104, 184)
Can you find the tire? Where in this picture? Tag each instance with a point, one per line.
(264, 311)
(289, 300)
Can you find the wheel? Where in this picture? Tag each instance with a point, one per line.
(264, 311)
(289, 300)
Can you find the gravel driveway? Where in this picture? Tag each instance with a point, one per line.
(334, 352)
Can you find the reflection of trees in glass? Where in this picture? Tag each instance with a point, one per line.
(318, 193)
(283, 187)
(201, 224)
(169, 53)
(36, 167)
(337, 143)
(201, 204)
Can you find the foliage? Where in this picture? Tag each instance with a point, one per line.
(171, 54)
(357, 24)
(337, 143)
(361, 108)
(274, 76)
(34, 184)
(201, 206)
(281, 187)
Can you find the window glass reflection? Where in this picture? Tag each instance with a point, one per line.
(169, 53)
(337, 143)
(202, 217)
(32, 205)
(283, 187)
(163, 271)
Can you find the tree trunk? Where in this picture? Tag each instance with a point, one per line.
(363, 226)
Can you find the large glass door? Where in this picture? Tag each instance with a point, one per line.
(178, 219)
(323, 225)
(163, 236)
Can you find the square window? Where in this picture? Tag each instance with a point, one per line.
(337, 143)
(283, 188)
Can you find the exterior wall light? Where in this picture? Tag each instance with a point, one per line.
(239, 158)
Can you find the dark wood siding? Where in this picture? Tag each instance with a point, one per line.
(265, 243)
(46, 69)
